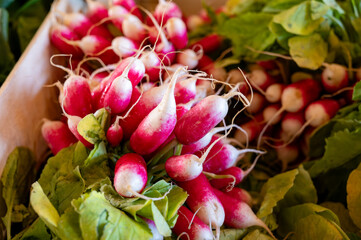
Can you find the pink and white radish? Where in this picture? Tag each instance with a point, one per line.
(291, 123)
(189, 226)
(117, 14)
(194, 21)
(115, 133)
(334, 77)
(202, 200)
(177, 32)
(156, 127)
(229, 182)
(152, 65)
(270, 111)
(97, 11)
(58, 33)
(274, 92)
(260, 79)
(57, 135)
(321, 111)
(133, 28)
(124, 47)
(258, 102)
(235, 76)
(166, 10)
(208, 44)
(185, 90)
(240, 194)
(252, 129)
(153, 228)
(287, 154)
(130, 175)
(130, 6)
(238, 214)
(188, 57)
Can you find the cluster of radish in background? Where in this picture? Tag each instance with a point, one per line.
(160, 96)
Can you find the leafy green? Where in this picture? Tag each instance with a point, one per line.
(37, 230)
(231, 234)
(302, 19)
(18, 174)
(91, 129)
(257, 235)
(354, 196)
(308, 51)
(285, 190)
(277, 6)
(356, 96)
(243, 6)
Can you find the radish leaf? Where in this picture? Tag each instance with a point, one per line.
(354, 196)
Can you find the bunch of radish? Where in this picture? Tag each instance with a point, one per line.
(159, 92)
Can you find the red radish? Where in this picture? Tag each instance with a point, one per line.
(189, 226)
(177, 32)
(240, 194)
(201, 118)
(57, 135)
(146, 104)
(73, 122)
(218, 73)
(183, 108)
(166, 10)
(298, 95)
(209, 43)
(133, 28)
(153, 35)
(270, 111)
(82, 26)
(260, 79)
(287, 154)
(236, 172)
(238, 214)
(235, 76)
(252, 128)
(118, 96)
(204, 141)
(58, 33)
(257, 101)
(136, 70)
(130, 6)
(223, 156)
(291, 123)
(115, 133)
(117, 14)
(96, 11)
(205, 63)
(193, 22)
(202, 200)
(76, 97)
(334, 78)
(274, 92)
(185, 90)
(156, 127)
(130, 175)
(321, 111)
(152, 65)
(188, 58)
(170, 70)
(268, 64)
(124, 47)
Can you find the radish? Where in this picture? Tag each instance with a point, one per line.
(153, 35)
(57, 33)
(156, 127)
(287, 154)
(334, 77)
(130, 175)
(57, 135)
(189, 225)
(202, 200)
(208, 44)
(115, 133)
(260, 79)
(117, 14)
(185, 90)
(252, 129)
(257, 101)
(235, 76)
(130, 6)
(291, 123)
(76, 97)
(166, 10)
(133, 28)
(82, 26)
(177, 32)
(268, 64)
(188, 58)
(96, 11)
(321, 111)
(153, 228)
(270, 111)
(201, 118)
(193, 22)
(237, 176)
(124, 47)
(274, 92)
(132, 67)
(152, 65)
(73, 122)
(238, 214)
(240, 194)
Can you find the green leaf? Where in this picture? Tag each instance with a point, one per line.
(257, 235)
(160, 222)
(277, 6)
(5, 3)
(37, 230)
(244, 6)
(18, 174)
(103, 117)
(356, 95)
(354, 196)
(231, 234)
(317, 227)
(302, 19)
(334, 5)
(91, 130)
(308, 51)
(281, 34)
(43, 207)
(289, 217)
(249, 30)
(284, 190)
(99, 219)
(98, 154)
(333, 157)
(68, 225)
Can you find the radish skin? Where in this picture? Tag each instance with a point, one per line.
(321, 111)
(240, 194)
(166, 10)
(114, 134)
(177, 32)
(208, 44)
(334, 78)
(96, 11)
(57, 33)
(274, 92)
(188, 58)
(185, 90)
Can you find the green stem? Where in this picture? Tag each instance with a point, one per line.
(178, 149)
(154, 160)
